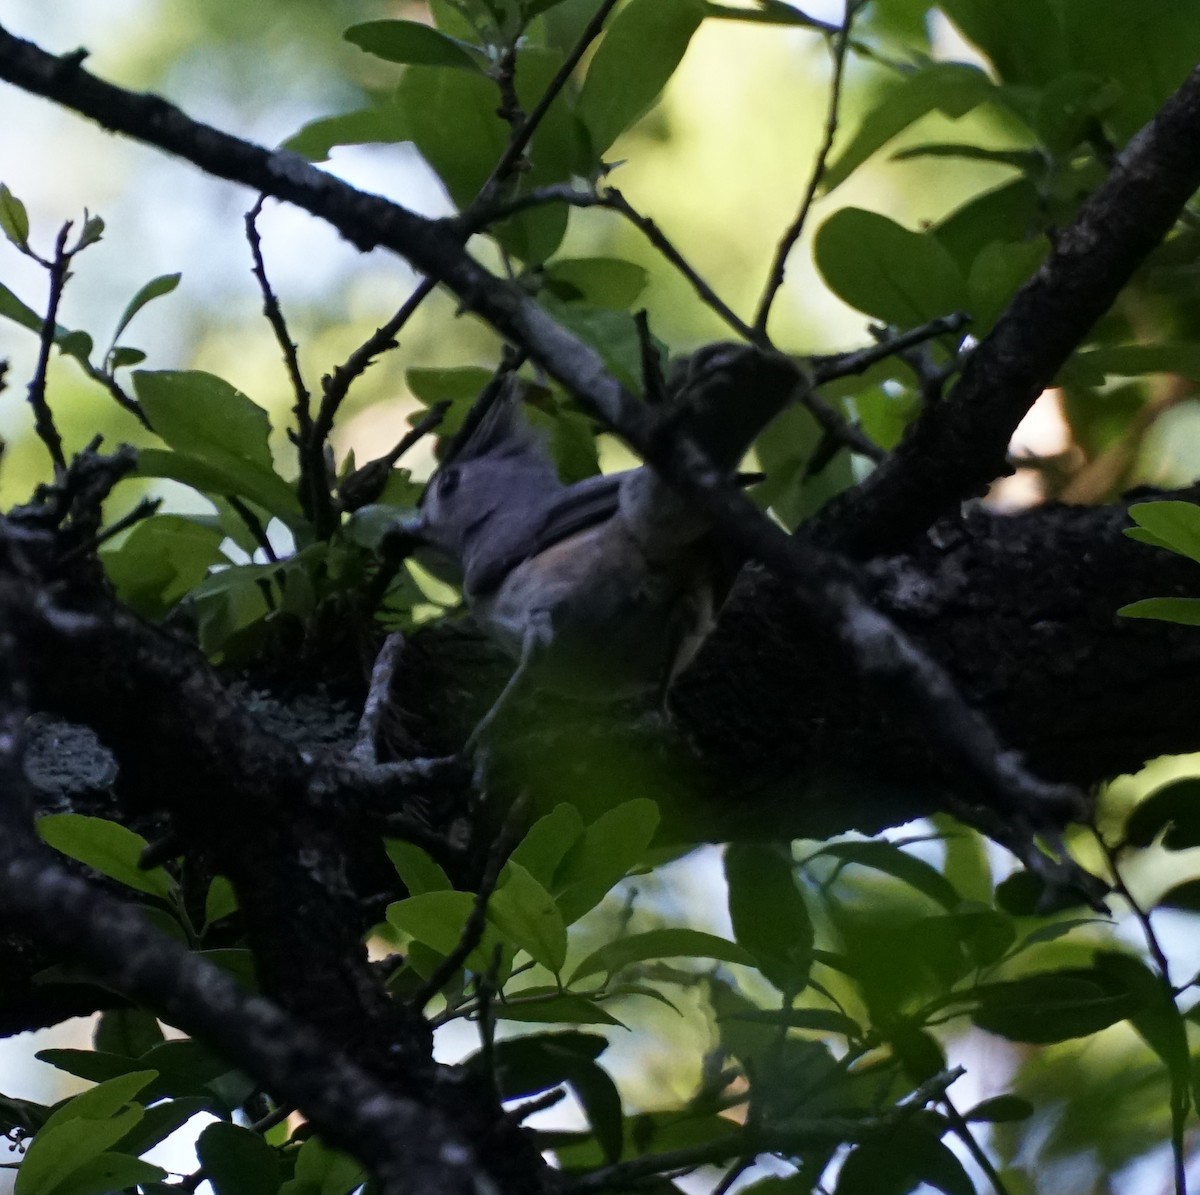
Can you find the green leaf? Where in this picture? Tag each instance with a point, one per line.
(1185, 896)
(1135, 360)
(73, 344)
(326, 1171)
(951, 88)
(164, 284)
(769, 915)
(91, 232)
(107, 847)
(1023, 38)
(221, 900)
(659, 943)
(769, 12)
(96, 1066)
(159, 1123)
(565, 1009)
(207, 420)
(996, 273)
(78, 1131)
(1185, 611)
(102, 1101)
(1147, 48)
(437, 919)
(607, 282)
(418, 871)
(1176, 524)
(891, 860)
(525, 913)
(237, 1161)
(436, 100)
(160, 561)
(1000, 1109)
(901, 277)
(548, 840)
(411, 42)
(639, 54)
(1157, 1019)
(613, 334)
(1175, 808)
(461, 384)
(901, 1161)
(107, 1172)
(601, 1103)
(1053, 1006)
(822, 1020)
(123, 356)
(14, 220)
(1007, 214)
(1026, 894)
(384, 122)
(128, 1031)
(602, 856)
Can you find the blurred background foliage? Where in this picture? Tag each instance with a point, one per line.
(969, 132)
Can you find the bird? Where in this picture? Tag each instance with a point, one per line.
(603, 589)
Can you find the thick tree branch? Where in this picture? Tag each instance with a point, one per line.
(957, 447)
(822, 587)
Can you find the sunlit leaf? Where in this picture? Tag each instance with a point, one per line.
(901, 277)
(643, 46)
(1053, 1005)
(14, 220)
(411, 42)
(107, 847)
(659, 943)
(951, 88)
(237, 1161)
(164, 284)
(769, 915)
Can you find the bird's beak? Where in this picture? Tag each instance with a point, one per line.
(404, 537)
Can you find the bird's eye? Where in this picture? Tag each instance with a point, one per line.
(447, 482)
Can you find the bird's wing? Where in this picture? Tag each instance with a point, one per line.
(579, 507)
(514, 537)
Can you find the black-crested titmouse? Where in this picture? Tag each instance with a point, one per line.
(605, 588)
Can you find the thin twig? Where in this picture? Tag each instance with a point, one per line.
(785, 1138)
(366, 484)
(59, 268)
(963, 1131)
(792, 235)
(539, 1103)
(274, 313)
(472, 933)
(335, 386)
(273, 1118)
(840, 365)
(840, 431)
(254, 525)
(732, 1175)
(612, 199)
(615, 201)
(110, 383)
(378, 695)
(1180, 1092)
(143, 510)
(523, 132)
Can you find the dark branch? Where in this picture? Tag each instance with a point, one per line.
(58, 268)
(303, 405)
(524, 130)
(612, 200)
(788, 241)
(957, 447)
